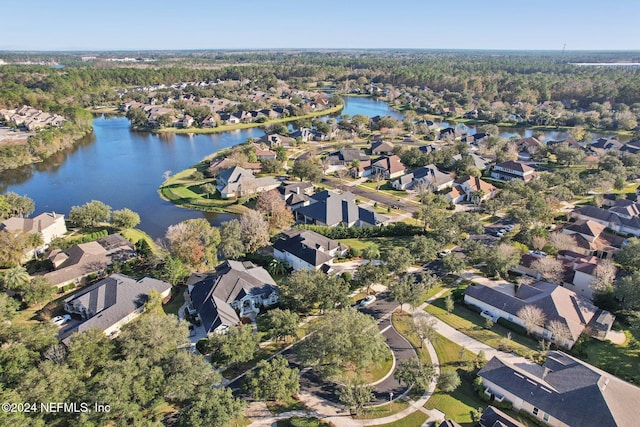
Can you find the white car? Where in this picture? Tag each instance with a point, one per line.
(61, 320)
(510, 227)
(500, 233)
(539, 254)
(368, 300)
(444, 253)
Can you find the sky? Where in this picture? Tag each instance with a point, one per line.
(83, 25)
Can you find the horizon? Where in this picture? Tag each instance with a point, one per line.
(572, 25)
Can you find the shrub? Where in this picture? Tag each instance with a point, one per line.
(512, 326)
(354, 252)
(505, 404)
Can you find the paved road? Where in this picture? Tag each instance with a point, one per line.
(311, 383)
(373, 195)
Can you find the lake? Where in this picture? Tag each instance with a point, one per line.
(124, 168)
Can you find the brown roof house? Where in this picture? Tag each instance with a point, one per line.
(471, 189)
(74, 264)
(49, 224)
(592, 239)
(563, 392)
(574, 312)
(111, 303)
(389, 167)
(506, 171)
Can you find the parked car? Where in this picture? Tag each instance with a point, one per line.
(499, 233)
(510, 227)
(61, 320)
(367, 300)
(444, 253)
(539, 254)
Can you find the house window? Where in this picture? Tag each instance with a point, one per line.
(535, 411)
(546, 417)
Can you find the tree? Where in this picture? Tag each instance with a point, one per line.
(560, 333)
(340, 339)
(90, 214)
(562, 242)
(370, 274)
(307, 170)
(629, 255)
(89, 352)
(423, 248)
(254, 230)
(281, 323)
(407, 290)
(628, 287)
(532, 317)
(174, 271)
(304, 290)
(12, 248)
(273, 380)
(277, 267)
(453, 263)
(125, 218)
(425, 328)
(449, 304)
(137, 117)
(231, 245)
(449, 380)
(371, 252)
(34, 241)
(413, 371)
(236, 346)
(12, 204)
(8, 307)
(213, 407)
(154, 337)
(399, 260)
(194, 242)
(428, 214)
(356, 395)
(143, 248)
(15, 278)
(549, 268)
(501, 260)
(37, 291)
(273, 206)
(270, 166)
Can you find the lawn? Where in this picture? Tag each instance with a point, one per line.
(384, 243)
(472, 324)
(620, 360)
(288, 405)
(376, 371)
(177, 300)
(415, 419)
(403, 322)
(383, 411)
(133, 235)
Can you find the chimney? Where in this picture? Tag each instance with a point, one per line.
(297, 190)
(545, 372)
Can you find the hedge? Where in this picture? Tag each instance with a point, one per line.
(512, 326)
(342, 232)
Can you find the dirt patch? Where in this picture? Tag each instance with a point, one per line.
(617, 337)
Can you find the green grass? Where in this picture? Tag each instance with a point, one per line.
(301, 422)
(415, 419)
(281, 406)
(383, 411)
(403, 322)
(620, 360)
(176, 301)
(384, 243)
(241, 421)
(133, 235)
(472, 324)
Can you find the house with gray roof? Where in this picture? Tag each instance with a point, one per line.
(494, 417)
(563, 392)
(239, 182)
(381, 148)
(234, 290)
(111, 303)
(503, 300)
(428, 175)
(622, 217)
(331, 208)
(344, 158)
(307, 250)
(296, 194)
(506, 171)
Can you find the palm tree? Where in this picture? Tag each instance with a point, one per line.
(476, 197)
(371, 252)
(35, 240)
(277, 267)
(15, 278)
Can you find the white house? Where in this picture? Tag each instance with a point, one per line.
(240, 182)
(506, 171)
(49, 224)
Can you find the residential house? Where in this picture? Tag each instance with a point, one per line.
(263, 153)
(494, 417)
(111, 303)
(229, 119)
(296, 194)
(581, 272)
(276, 140)
(563, 392)
(471, 189)
(502, 300)
(74, 264)
(428, 175)
(506, 171)
(528, 146)
(208, 121)
(219, 164)
(449, 134)
(343, 159)
(233, 291)
(186, 121)
(379, 148)
(622, 217)
(331, 208)
(632, 147)
(602, 145)
(389, 167)
(49, 224)
(307, 250)
(302, 134)
(592, 239)
(474, 160)
(240, 182)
